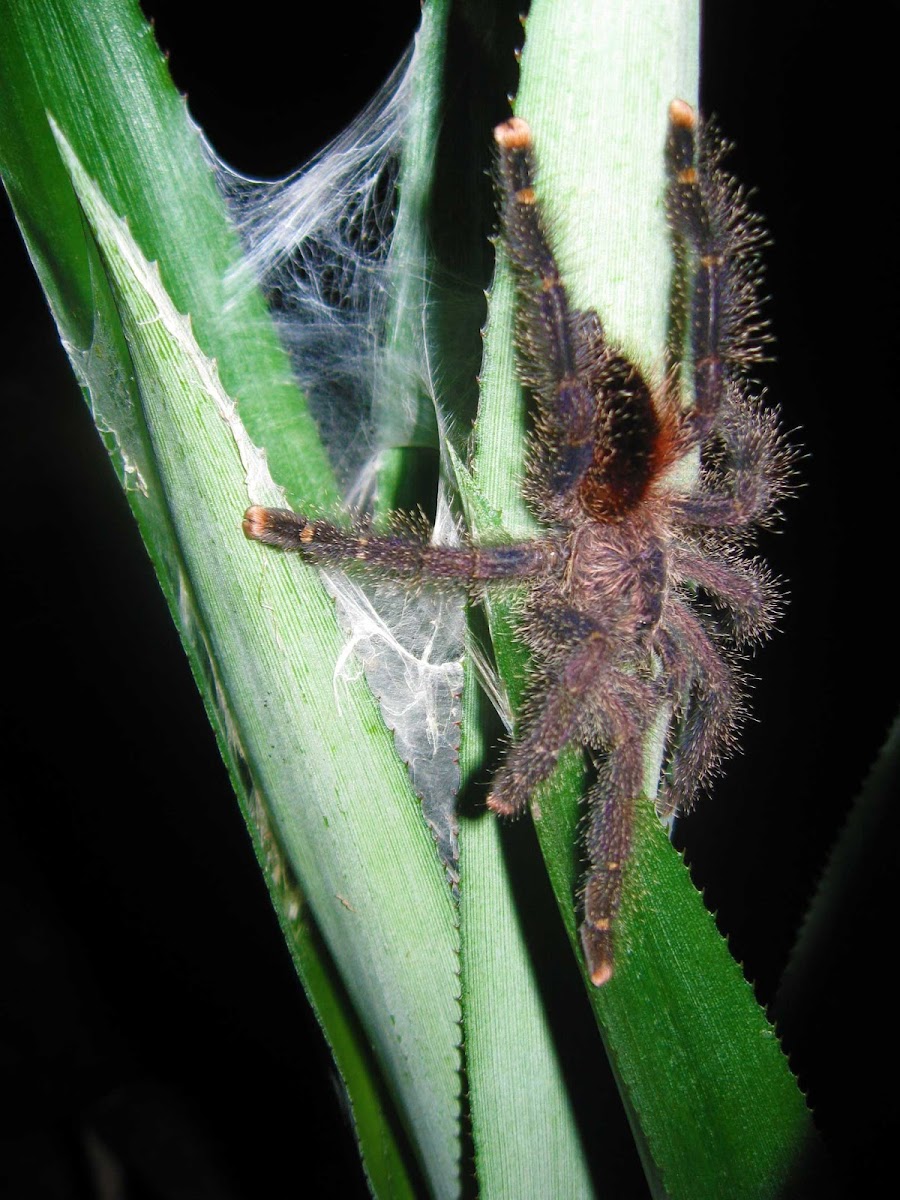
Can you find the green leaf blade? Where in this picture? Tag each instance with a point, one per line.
(267, 688)
(156, 397)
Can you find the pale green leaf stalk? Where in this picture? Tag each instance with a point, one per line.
(261, 616)
(524, 1126)
(260, 634)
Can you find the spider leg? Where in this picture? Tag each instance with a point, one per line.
(550, 334)
(743, 587)
(752, 477)
(623, 709)
(402, 555)
(598, 440)
(594, 701)
(709, 210)
(610, 842)
(689, 216)
(711, 703)
(551, 725)
(611, 802)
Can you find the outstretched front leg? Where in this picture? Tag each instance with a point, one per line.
(709, 212)
(550, 338)
(402, 555)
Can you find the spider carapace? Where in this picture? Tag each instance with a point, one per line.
(639, 595)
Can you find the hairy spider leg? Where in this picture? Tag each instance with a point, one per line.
(609, 848)
(598, 438)
(711, 706)
(533, 756)
(745, 589)
(548, 337)
(401, 556)
(710, 213)
(689, 215)
(618, 723)
(756, 476)
(557, 720)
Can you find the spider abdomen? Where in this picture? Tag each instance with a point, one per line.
(625, 455)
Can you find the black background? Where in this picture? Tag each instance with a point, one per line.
(153, 1002)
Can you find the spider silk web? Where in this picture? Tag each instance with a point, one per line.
(322, 246)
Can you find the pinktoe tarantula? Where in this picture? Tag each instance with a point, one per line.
(611, 612)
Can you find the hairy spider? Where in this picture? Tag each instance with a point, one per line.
(611, 611)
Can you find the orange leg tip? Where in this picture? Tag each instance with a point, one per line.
(597, 946)
(682, 115)
(254, 522)
(601, 974)
(258, 522)
(514, 134)
(503, 808)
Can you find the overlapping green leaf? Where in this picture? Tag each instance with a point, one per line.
(306, 754)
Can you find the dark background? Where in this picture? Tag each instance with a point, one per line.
(154, 1009)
